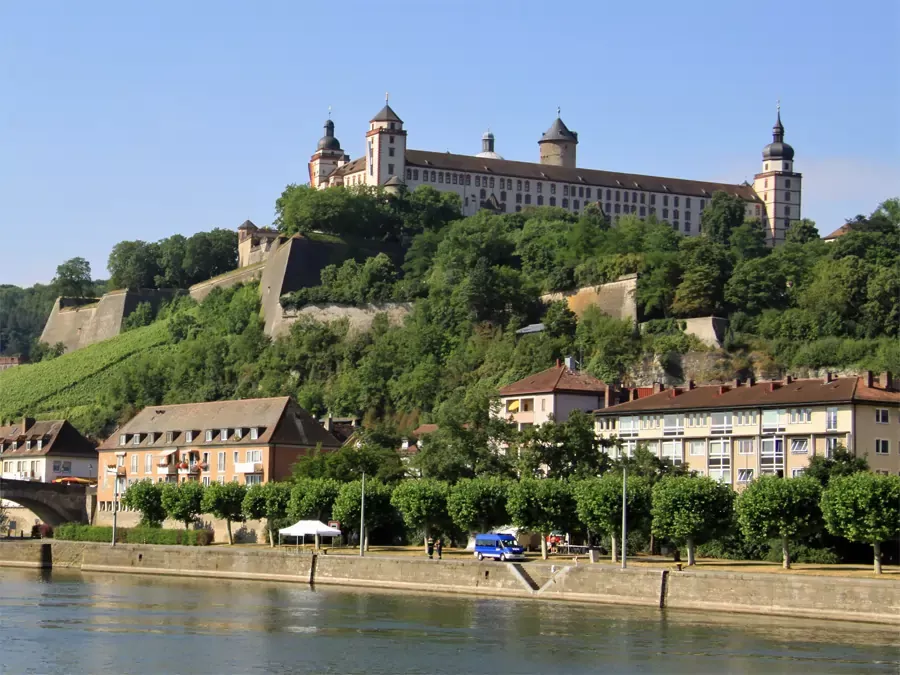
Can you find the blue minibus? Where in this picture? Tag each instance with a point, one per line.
(498, 546)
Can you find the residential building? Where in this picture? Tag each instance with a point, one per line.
(46, 450)
(7, 362)
(250, 441)
(736, 432)
(552, 394)
(487, 180)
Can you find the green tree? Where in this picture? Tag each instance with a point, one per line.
(612, 344)
(801, 231)
(73, 278)
(707, 266)
(691, 510)
(784, 508)
(313, 498)
(540, 505)
(560, 321)
(478, 504)
(748, 240)
(863, 507)
(225, 501)
(145, 496)
(183, 501)
(721, 216)
(757, 284)
(379, 510)
(841, 463)
(133, 265)
(269, 501)
(142, 315)
(422, 502)
(598, 503)
(565, 449)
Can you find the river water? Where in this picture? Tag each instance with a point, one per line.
(69, 622)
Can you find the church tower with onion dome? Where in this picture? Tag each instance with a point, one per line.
(327, 157)
(778, 185)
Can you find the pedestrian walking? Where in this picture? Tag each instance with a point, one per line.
(439, 547)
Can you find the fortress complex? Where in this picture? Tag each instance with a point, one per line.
(486, 180)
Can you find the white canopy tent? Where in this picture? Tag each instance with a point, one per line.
(303, 528)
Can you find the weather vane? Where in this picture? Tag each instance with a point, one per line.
(558, 111)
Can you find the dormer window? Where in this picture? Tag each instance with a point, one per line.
(170, 436)
(40, 444)
(15, 444)
(189, 436)
(238, 433)
(28, 445)
(123, 439)
(223, 434)
(136, 440)
(254, 433)
(209, 435)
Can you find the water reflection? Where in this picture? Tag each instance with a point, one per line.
(66, 622)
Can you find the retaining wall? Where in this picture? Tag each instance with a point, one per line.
(848, 599)
(615, 298)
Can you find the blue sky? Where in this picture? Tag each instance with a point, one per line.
(123, 120)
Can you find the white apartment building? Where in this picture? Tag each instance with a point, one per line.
(742, 430)
(487, 180)
(43, 451)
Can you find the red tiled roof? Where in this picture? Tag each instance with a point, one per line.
(57, 437)
(761, 394)
(423, 429)
(840, 232)
(555, 379)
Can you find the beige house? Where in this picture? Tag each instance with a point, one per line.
(250, 441)
(45, 450)
(552, 394)
(486, 179)
(738, 431)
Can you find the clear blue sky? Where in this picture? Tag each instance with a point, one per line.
(125, 120)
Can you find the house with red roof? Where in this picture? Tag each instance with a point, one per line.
(552, 395)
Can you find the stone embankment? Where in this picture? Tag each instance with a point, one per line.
(848, 599)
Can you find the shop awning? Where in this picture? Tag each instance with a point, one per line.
(166, 453)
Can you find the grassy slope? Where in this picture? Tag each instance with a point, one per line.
(72, 379)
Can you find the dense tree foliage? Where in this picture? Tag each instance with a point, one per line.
(73, 278)
(225, 501)
(598, 503)
(541, 506)
(863, 507)
(183, 501)
(689, 510)
(145, 497)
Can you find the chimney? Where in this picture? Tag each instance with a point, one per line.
(774, 385)
(634, 394)
(829, 378)
(788, 379)
(886, 380)
(736, 383)
(868, 378)
(657, 387)
(609, 398)
(723, 388)
(571, 363)
(328, 424)
(557, 363)
(690, 385)
(27, 423)
(750, 381)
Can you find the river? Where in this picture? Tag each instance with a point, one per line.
(71, 622)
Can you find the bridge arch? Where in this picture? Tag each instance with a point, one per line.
(53, 503)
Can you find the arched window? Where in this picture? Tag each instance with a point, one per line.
(483, 194)
(540, 188)
(553, 191)
(477, 181)
(440, 176)
(540, 201)
(566, 190)
(518, 198)
(455, 179)
(503, 196)
(447, 176)
(433, 177)
(527, 199)
(492, 181)
(565, 202)
(575, 205)
(468, 179)
(409, 174)
(519, 185)
(528, 186)
(415, 174)
(552, 201)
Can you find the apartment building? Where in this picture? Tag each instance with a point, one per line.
(738, 431)
(251, 441)
(552, 394)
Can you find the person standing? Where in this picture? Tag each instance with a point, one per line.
(429, 547)
(439, 547)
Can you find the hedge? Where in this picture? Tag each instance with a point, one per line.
(134, 535)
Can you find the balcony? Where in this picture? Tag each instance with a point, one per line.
(248, 467)
(185, 469)
(165, 469)
(115, 470)
(21, 475)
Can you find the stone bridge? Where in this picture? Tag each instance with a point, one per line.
(53, 503)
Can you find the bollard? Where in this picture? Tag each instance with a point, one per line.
(678, 567)
(595, 555)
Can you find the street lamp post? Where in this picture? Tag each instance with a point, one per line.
(115, 473)
(362, 518)
(624, 511)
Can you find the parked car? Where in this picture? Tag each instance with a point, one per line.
(498, 546)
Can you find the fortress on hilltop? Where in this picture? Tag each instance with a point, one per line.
(487, 180)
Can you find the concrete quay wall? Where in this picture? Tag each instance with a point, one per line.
(839, 598)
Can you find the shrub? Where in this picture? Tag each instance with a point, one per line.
(803, 554)
(42, 531)
(134, 535)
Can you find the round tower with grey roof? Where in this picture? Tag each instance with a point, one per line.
(327, 157)
(558, 144)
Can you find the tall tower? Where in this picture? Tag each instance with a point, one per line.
(385, 147)
(778, 186)
(558, 144)
(487, 147)
(327, 157)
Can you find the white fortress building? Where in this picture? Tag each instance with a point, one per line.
(486, 180)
